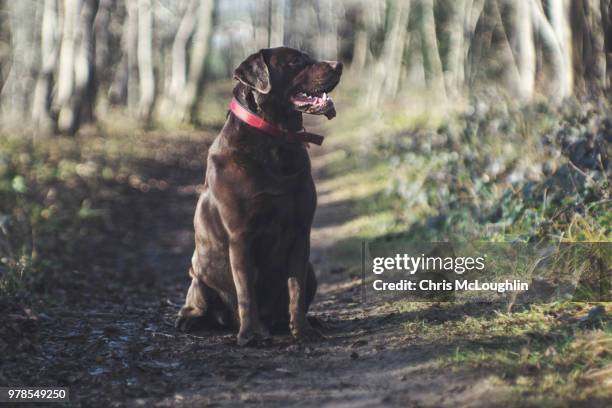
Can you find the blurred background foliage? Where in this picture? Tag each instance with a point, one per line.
(66, 63)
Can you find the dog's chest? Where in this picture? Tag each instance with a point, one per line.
(276, 235)
(286, 160)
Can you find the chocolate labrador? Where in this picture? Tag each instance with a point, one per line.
(251, 269)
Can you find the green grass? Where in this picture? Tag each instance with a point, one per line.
(544, 353)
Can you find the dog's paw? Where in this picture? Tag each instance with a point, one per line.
(254, 337)
(316, 322)
(306, 333)
(182, 324)
(189, 319)
(186, 324)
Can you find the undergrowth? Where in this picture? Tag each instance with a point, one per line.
(556, 354)
(505, 175)
(63, 200)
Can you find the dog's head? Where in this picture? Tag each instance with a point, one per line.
(284, 82)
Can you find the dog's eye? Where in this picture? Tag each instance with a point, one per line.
(296, 61)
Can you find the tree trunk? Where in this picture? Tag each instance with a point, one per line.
(85, 78)
(589, 59)
(559, 18)
(145, 61)
(367, 22)
(414, 73)
(511, 74)
(277, 23)
(118, 91)
(327, 35)
(189, 101)
(5, 49)
(131, 51)
(102, 41)
(525, 50)
(41, 104)
(123, 89)
(75, 100)
(65, 75)
(606, 18)
(430, 50)
(454, 74)
(549, 38)
(389, 66)
(360, 51)
(20, 80)
(179, 51)
(473, 12)
(260, 19)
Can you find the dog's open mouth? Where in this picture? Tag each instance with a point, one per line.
(314, 103)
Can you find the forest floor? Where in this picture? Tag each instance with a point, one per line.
(110, 336)
(106, 330)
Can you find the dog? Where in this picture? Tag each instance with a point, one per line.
(250, 269)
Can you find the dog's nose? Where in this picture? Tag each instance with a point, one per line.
(336, 66)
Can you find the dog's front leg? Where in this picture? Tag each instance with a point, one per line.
(298, 270)
(244, 273)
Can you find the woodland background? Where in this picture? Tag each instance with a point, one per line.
(65, 63)
(458, 120)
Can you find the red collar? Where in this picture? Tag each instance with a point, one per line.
(258, 122)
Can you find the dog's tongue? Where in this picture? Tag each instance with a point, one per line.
(330, 113)
(315, 105)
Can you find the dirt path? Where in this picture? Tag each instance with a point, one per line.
(110, 336)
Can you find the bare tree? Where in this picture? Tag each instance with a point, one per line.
(5, 45)
(327, 35)
(361, 44)
(131, 54)
(369, 17)
(525, 50)
(124, 87)
(102, 38)
(386, 76)
(454, 72)
(431, 51)
(58, 57)
(589, 59)
(179, 51)
(480, 26)
(41, 103)
(276, 25)
(473, 12)
(188, 102)
(24, 30)
(559, 17)
(65, 76)
(145, 60)
(118, 90)
(75, 78)
(606, 18)
(85, 63)
(549, 38)
(260, 23)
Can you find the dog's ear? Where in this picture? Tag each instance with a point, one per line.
(253, 72)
